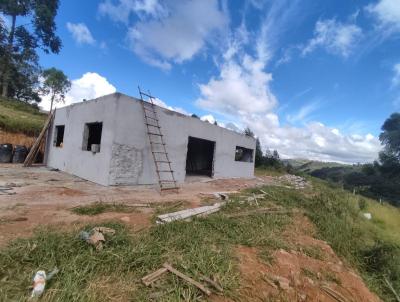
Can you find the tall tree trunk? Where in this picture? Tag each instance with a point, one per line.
(6, 74)
(51, 104)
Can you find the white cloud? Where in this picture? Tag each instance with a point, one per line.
(241, 88)
(336, 37)
(91, 85)
(179, 35)
(387, 12)
(81, 33)
(303, 114)
(208, 118)
(242, 92)
(122, 10)
(396, 76)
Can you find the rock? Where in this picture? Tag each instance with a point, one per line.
(282, 282)
(367, 216)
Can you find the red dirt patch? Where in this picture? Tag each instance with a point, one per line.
(295, 275)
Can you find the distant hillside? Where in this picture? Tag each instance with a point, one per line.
(20, 117)
(309, 166)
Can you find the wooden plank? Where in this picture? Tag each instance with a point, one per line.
(35, 148)
(392, 288)
(150, 278)
(213, 283)
(187, 279)
(185, 214)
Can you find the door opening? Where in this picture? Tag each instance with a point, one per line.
(200, 157)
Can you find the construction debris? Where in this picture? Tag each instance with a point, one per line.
(297, 182)
(189, 213)
(150, 278)
(96, 236)
(213, 283)
(187, 279)
(392, 288)
(333, 294)
(30, 158)
(221, 195)
(6, 190)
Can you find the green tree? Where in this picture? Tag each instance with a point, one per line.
(390, 136)
(248, 132)
(259, 154)
(22, 40)
(56, 84)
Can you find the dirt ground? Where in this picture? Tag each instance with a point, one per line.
(301, 274)
(37, 196)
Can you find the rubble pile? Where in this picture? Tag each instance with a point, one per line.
(295, 181)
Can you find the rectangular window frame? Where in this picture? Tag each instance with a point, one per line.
(243, 154)
(59, 132)
(90, 138)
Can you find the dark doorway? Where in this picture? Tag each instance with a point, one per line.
(200, 156)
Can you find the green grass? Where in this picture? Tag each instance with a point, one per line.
(268, 171)
(370, 246)
(100, 207)
(204, 246)
(17, 116)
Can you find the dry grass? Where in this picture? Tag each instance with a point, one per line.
(16, 138)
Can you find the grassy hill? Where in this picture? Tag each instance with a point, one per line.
(20, 117)
(309, 166)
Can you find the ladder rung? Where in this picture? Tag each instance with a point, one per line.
(172, 188)
(163, 161)
(167, 181)
(154, 143)
(160, 152)
(152, 133)
(151, 118)
(148, 109)
(165, 171)
(153, 125)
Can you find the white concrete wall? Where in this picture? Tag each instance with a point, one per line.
(71, 158)
(125, 156)
(176, 129)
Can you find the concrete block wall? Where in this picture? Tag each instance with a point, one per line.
(125, 157)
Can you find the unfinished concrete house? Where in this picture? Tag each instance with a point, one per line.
(121, 140)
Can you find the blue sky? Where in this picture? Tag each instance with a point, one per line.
(313, 79)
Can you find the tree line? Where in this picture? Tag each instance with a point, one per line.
(379, 179)
(31, 28)
(267, 159)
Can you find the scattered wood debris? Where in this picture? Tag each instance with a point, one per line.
(189, 213)
(150, 278)
(187, 279)
(333, 294)
(392, 288)
(213, 283)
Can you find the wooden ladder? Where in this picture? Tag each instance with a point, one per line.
(162, 163)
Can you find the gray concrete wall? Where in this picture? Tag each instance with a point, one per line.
(71, 158)
(125, 157)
